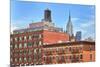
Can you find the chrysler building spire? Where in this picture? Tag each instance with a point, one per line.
(69, 27)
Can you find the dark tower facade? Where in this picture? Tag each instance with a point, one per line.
(47, 15)
(78, 36)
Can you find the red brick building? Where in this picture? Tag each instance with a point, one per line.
(69, 52)
(26, 48)
(43, 43)
(50, 37)
(33, 48)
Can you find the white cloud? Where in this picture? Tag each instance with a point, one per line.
(17, 24)
(87, 24)
(87, 29)
(74, 19)
(13, 27)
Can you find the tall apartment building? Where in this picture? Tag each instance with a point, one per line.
(27, 44)
(69, 52)
(26, 48)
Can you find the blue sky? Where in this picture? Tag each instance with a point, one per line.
(82, 16)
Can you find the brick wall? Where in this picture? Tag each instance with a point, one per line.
(54, 37)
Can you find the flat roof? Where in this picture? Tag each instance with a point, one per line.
(68, 44)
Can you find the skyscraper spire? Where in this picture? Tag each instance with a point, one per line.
(69, 17)
(69, 27)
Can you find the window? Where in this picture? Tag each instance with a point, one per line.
(16, 38)
(40, 43)
(20, 38)
(15, 45)
(63, 50)
(15, 59)
(11, 60)
(35, 59)
(25, 38)
(57, 49)
(11, 39)
(20, 45)
(44, 59)
(90, 56)
(25, 59)
(70, 57)
(40, 36)
(66, 58)
(66, 48)
(16, 52)
(20, 59)
(62, 59)
(30, 37)
(34, 50)
(25, 51)
(21, 51)
(36, 36)
(39, 50)
(36, 43)
(91, 48)
(29, 59)
(25, 45)
(81, 56)
(81, 49)
(57, 58)
(29, 44)
(29, 51)
(11, 53)
(11, 46)
(69, 48)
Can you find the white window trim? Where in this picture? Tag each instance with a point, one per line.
(16, 46)
(20, 45)
(25, 37)
(30, 37)
(20, 38)
(25, 45)
(15, 38)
